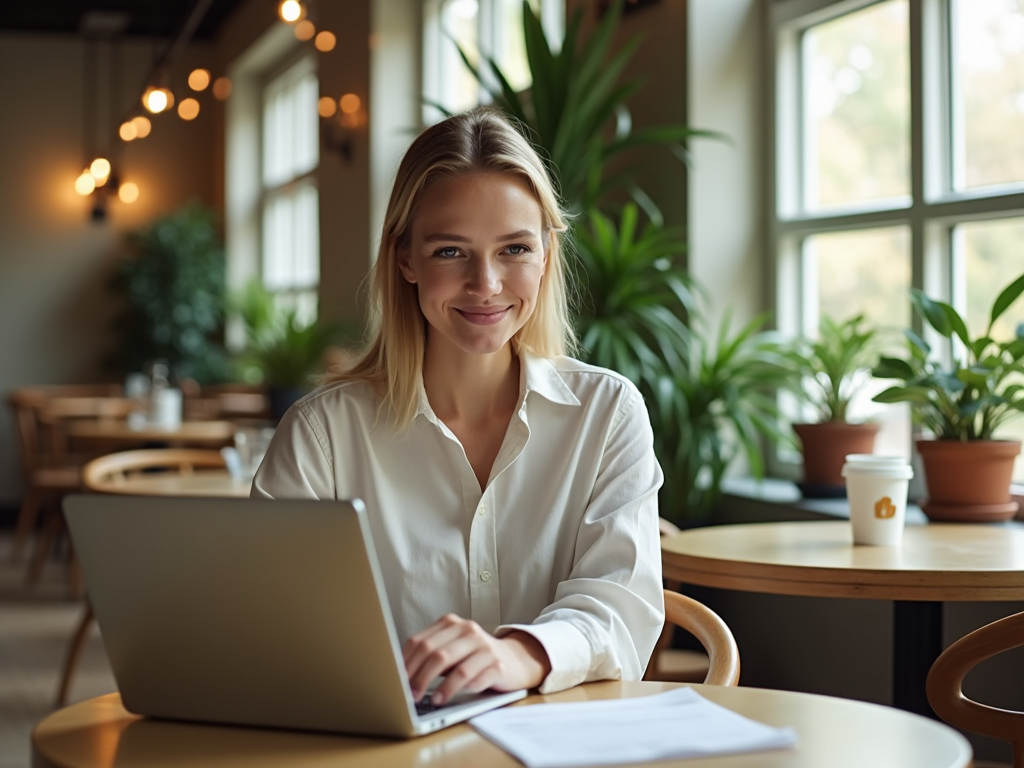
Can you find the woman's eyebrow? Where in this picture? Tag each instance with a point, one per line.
(439, 237)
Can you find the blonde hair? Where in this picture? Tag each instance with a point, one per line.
(481, 140)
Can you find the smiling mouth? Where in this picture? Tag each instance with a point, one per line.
(484, 316)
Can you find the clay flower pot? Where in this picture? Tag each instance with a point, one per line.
(825, 448)
(968, 482)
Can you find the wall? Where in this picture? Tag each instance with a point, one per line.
(55, 309)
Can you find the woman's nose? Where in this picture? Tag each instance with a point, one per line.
(484, 279)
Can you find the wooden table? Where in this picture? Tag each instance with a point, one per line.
(832, 732)
(188, 433)
(214, 482)
(936, 562)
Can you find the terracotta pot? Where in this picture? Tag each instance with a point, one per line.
(825, 447)
(968, 482)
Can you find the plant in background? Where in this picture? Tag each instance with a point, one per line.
(173, 289)
(980, 390)
(831, 365)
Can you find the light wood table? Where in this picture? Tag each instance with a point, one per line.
(838, 733)
(188, 433)
(935, 562)
(214, 482)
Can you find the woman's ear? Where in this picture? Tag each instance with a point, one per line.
(402, 254)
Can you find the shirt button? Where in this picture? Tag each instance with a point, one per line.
(485, 575)
(483, 510)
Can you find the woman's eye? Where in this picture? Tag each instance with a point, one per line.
(447, 252)
(518, 250)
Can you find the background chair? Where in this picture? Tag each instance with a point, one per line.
(723, 663)
(945, 684)
(107, 474)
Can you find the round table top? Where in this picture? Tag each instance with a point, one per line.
(188, 432)
(213, 482)
(99, 733)
(937, 561)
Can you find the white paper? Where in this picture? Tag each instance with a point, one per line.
(671, 725)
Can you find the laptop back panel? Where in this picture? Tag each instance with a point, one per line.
(245, 611)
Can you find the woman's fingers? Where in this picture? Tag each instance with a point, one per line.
(437, 650)
(475, 673)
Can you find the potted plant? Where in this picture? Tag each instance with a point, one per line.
(831, 369)
(967, 470)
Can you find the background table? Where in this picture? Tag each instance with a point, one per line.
(198, 483)
(188, 433)
(832, 732)
(936, 562)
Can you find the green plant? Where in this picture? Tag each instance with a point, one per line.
(980, 390)
(575, 110)
(828, 367)
(173, 288)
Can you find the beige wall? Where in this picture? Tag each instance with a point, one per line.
(55, 308)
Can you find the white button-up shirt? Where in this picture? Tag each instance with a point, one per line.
(562, 542)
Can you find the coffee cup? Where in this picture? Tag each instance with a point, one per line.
(876, 486)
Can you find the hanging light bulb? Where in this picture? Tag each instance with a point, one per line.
(199, 79)
(128, 131)
(188, 109)
(85, 184)
(100, 170)
(326, 106)
(325, 41)
(350, 103)
(290, 10)
(155, 100)
(142, 126)
(305, 30)
(222, 88)
(128, 192)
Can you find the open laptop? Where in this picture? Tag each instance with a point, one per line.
(252, 612)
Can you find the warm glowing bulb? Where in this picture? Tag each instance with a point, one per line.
(128, 192)
(305, 30)
(100, 169)
(349, 103)
(142, 126)
(325, 41)
(199, 79)
(127, 131)
(222, 88)
(291, 11)
(326, 106)
(155, 100)
(85, 184)
(188, 109)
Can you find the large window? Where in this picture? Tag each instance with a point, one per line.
(489, 28)
(898, 162)
(290, 238)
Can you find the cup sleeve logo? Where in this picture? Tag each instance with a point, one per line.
(884, 508)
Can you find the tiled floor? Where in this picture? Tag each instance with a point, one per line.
(35, 626)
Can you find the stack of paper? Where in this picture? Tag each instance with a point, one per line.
(676, 724)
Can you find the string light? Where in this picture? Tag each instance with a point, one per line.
(142, 126)
(326, 106)
(290, 10)
(188, 109)
(156, 100)
(85, 184)
(100, 170)
(305, 30)
(325, 41)
(349, 103)
(128, 192)
(199, 79)
(128, 131)
(221, 88)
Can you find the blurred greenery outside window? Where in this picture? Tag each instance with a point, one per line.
(290, 236)
(489, 27)
(897, 163)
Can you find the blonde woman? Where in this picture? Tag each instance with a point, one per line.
(511, 490)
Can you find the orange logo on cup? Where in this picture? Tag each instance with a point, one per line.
(884, 507)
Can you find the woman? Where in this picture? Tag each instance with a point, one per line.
(512, 491)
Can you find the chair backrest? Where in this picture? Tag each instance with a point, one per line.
(106, 473)
(713, 633)
(25, 404)
(945, 684)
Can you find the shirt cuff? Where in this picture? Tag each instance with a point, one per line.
(567, 648)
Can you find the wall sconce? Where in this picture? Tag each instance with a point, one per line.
(341, 118)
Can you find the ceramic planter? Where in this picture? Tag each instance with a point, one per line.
(825, 448)
(968, 482)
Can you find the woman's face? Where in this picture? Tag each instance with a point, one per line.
(476, 254)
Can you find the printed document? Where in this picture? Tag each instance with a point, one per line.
(676, 724)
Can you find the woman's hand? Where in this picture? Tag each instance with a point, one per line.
(471, 659)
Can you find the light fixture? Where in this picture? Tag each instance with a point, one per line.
(100, 170)
(128, 131)
(290, 11)
(350, 103)
(305, 30)
(156, 100)
(188, 109)
(85, 184)
(221, 88)
(326, 106)
(325, 41)
(128, 192)
(142, 126)
(198, 79)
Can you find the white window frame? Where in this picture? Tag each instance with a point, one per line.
(934, 208)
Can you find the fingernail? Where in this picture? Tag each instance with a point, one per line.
(437, 699)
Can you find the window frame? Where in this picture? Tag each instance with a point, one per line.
(935, 206)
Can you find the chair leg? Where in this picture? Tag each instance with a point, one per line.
(51, 529)
(26, 521)
(74, 654)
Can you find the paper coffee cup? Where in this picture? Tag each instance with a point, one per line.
(165, 408)
(876, 487)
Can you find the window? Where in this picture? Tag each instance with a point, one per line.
(492, 28)
(897, 163)
(290, 154)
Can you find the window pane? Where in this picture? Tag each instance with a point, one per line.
(291, 239)
(510, 46)
(989, 54)
(864, 272)
(290, 125)
(990, 254)
(459, 25)
(857, 107)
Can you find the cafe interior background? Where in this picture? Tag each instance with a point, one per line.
(72, 74)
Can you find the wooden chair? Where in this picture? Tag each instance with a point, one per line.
(945, 684)
(107, 474)
(723, 662)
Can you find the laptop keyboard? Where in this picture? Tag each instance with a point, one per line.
(425, 707)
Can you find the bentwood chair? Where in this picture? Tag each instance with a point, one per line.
(945, 684)
(109, 474)
(723, 664)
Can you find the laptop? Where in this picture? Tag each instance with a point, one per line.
(251, 612)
